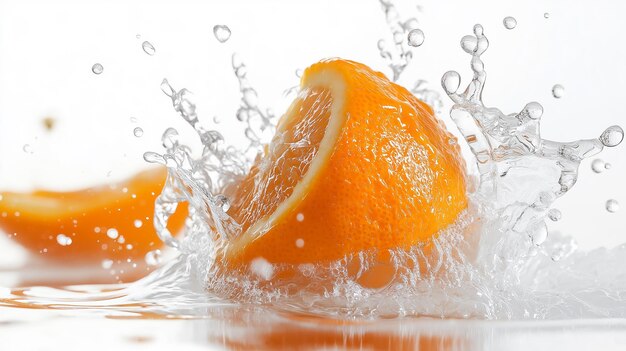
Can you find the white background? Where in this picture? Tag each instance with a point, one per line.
(47, 49)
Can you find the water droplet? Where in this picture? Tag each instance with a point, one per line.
(138, 132)
(450, 82)
(223, 202)
(546, 15)
(106, 264)
(64, 240)
(554, 215)
(221, 32)
(112, 233)
(137, 223)
(416, 38)
(97, 68)
(262, 268)
(300, 217)
(607, 166)
(539, 234)
(153, 258)
(612, 136)
(133, 120)
(598, 165)
(27, 148)
(612, 205)
(300, 243)
(153, 157)
(148, 48)
(558, 91)
(509, 22)
(534, 110)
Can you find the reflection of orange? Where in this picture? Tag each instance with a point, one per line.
(325, 336)
(85, 216)
(357, 163)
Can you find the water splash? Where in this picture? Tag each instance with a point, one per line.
(398, 55)
(148, 48)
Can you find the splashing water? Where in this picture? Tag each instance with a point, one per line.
(513, 268)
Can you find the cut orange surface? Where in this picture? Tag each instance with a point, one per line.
(108, 221)
(357, 163)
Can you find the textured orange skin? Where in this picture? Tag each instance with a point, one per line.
(367, 196)
(45, 214)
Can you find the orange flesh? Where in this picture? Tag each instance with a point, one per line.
(388, 177)
(35, 219)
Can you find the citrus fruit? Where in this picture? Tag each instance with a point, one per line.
(109, 221)
(357, 163)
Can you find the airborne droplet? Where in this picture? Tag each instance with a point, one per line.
(612, 205)
(598, 165)
(509, 22)
(148, 48)
(558, 91)
(221, 32)
(138, 132)
(416, 37)
(97, 68)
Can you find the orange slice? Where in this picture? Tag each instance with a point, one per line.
(108, 221)
(357, 163)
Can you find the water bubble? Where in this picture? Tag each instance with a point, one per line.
(153, 257)
(539, 234)
(221, 32)
(300, 243)
(546, 15)
(509, 22)
(598, 165)
(558, 91)
(300, 217)
(64, 240)
(138, 132)
(612, 205)
(148, 48)
(262, 268)
(554, 215)
(416, 38)
(97, 68)
(612, 136)
(137, 223)
(112, 233)
(106, 264)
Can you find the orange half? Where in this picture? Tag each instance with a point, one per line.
(104, 222)
(357, 163)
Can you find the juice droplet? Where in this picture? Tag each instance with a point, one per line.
(97, 68)
(153, 258)
(558, 91)
(148, 48)
(509, 22)
(137, 223)
(138, 132)
(416, 38)
(112, 233)
(554, 215)
(612, 205)
(64, 240)
(106, 264)
(612, 136)
(598, 165)
(546, 15)
(221, 32)
(300, 217)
